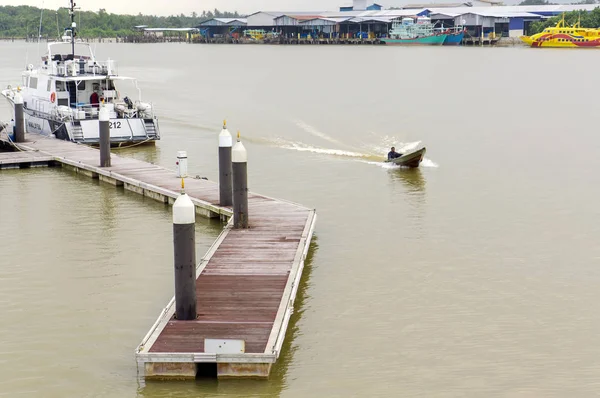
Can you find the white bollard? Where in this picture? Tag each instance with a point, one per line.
(182, 164)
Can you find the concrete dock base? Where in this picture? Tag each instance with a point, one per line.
(170, 370)
(188, 370)
(243, 370)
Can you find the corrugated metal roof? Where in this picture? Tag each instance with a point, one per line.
(373, 14)
(498, 12)
(374, 19)
(385, 15)
(169, 29)
(336, 19)
(230, 20)
(515, 9)
(224, 22)
(281, 13)
(331, 20)
(435, 5)
(300, 17)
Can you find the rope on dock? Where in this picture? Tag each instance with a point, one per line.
(10, 141)
(132, 145)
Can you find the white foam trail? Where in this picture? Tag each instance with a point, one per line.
(312, 130)
(428, 163)
(383, 165)
(325, 151)
(361, 157)
(424, 163)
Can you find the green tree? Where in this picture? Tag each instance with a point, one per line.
(535, 3)
(22, 21)
(588, 20)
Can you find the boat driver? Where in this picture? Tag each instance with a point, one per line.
(393, 154)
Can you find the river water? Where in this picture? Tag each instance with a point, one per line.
(474, 275)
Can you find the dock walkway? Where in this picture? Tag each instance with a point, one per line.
(21, 160)
(246, 283)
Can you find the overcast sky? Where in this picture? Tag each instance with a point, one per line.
(161, 7)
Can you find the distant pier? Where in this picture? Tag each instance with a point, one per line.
(246, 283)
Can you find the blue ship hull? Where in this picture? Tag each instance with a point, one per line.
(454, 39)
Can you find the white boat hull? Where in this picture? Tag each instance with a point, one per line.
(36, 125)
(122, 130)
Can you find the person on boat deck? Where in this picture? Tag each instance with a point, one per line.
(95, 99)
(393, 154)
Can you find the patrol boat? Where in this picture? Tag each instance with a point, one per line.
(63, 96)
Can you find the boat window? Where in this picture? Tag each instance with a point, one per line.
(81, 85)
(49, 85)
(60, 86)
(33, 82)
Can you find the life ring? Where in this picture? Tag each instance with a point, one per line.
(52, 97)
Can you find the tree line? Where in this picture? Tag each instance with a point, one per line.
(24, 21)
(589, 19)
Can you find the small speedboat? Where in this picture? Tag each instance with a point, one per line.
(409, 159)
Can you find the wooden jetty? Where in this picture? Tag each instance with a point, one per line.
(22, 160)
(246, 283)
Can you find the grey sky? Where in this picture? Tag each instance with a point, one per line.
(188, 6)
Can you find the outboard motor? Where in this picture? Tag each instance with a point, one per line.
(128, 102)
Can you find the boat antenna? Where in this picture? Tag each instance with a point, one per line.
(57, 28)
(40, 29)
(73, 25)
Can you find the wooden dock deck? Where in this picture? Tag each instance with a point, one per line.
(21, 160)
(246, 283)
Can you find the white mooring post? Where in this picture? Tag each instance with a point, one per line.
(19, 119)
(239, 159)
(184, 244)
(225, 181)
(104, 120)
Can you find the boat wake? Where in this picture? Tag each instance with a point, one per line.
(366, 153)
(372, 158)
(314, 131)
(301, 147)
(424, 163)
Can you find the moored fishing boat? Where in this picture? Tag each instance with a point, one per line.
(454, 36)
(62, 97)
(407, 32)
(563, 36)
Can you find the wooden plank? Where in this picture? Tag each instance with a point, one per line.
(188, 336)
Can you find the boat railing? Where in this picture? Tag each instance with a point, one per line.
(45, 115)
(79, 67)
(118, 109)
(110, 67)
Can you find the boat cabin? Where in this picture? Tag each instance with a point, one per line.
(74, 85)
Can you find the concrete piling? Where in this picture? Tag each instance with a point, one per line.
(225, 167)
(19, 119)
(104, 120)
(184, 244)
(239, 159)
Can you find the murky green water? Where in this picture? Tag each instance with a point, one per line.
(475, 275)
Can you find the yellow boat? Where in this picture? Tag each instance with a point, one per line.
(563, 36)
